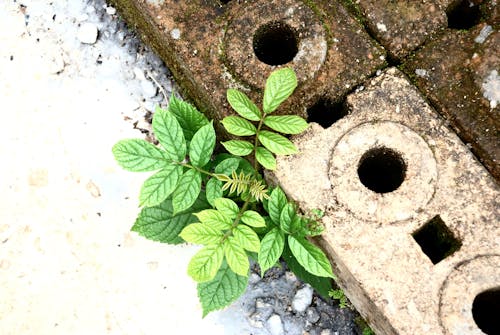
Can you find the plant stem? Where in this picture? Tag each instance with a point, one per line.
(189, 166)
(256, 142)
(236, 220)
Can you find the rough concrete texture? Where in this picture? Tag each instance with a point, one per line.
(209, 47)
(459, 73)
(400, 285)
(401, 26)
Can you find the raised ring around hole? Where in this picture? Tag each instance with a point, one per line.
(382, 170)
(485, 311)
(275, 43)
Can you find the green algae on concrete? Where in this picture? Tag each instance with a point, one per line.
(457, 74)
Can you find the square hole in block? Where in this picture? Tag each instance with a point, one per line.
(436, 240)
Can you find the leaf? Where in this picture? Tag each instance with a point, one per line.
(271, 248)
(137, 155)
(187, 191)
(213, 190)
(243, 105)
(246, 238)
(206, 262)
(276, 204)
(287, 124)
(238, 148)
(214, 218)
(225, 288)
(277, 143)
(253, 219)
(287, 216)
(236, 257)
(200, 233)
(279, 86)
(310, 257)
(169, 133)
(238, 126)
(190, 119)
(158, 223)
(202, 145)
(160, 185)
(227, 207)
(227, 166)
(322, 285)
(265, 158)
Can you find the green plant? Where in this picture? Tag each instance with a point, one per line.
(221, 201)
(340, 296)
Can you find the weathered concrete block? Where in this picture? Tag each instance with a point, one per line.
(459, 73)
(211, 47)
(412, 219)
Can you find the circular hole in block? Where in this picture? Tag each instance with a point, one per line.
(326, 112)
(381, 170)
(466, 14)
(275, 43)
(485, 309)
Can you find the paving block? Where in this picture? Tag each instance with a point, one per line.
(401, 26)
(210, 47)
(459, 73)
(412, 219)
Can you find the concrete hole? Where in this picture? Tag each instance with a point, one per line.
(436, 240)
(466, 14)
(275, 43)
(381, 170)
(326, 112)
(485, 310)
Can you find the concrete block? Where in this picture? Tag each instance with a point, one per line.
(412, 219)
(210, 47)
(459, 73)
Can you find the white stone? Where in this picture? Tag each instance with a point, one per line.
(491, 88)
(175, 33)
(87, 33)
(483, 34)
(111, 10)
(421, 73)
(382, 27)
(148, 89)
(274, 325)
(302, 299)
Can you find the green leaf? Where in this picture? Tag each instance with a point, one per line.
(200, 233)
(214, 218)
(160, 185)
(310, 257)
(279, 86)
(236, 256)
(246, 238)
(253, 219)
(206, 262)
(213, 190)
(187, 191)
(271, 248)
(288, 124)
(243, 105)
(227, 207)
(276, 203)
(277, 143)
(190, 119)
(238, 148)
(287, 216)
(225, 288)
(227, 166)
(238, 126)
(159, 223)
(137, 155)
(202, 145)
(322, 285)
(265, 158)
(169, 133)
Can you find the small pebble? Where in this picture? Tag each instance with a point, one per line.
(149, 90)
(175, 33)
(302, 299)
(275, 326)
(87, 33)
(111, 10)
(312, 315)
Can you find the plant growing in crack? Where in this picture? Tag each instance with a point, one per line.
(221, 201)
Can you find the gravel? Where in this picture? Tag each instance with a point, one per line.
(93, 42)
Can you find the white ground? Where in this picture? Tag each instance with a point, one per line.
(68, 263)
